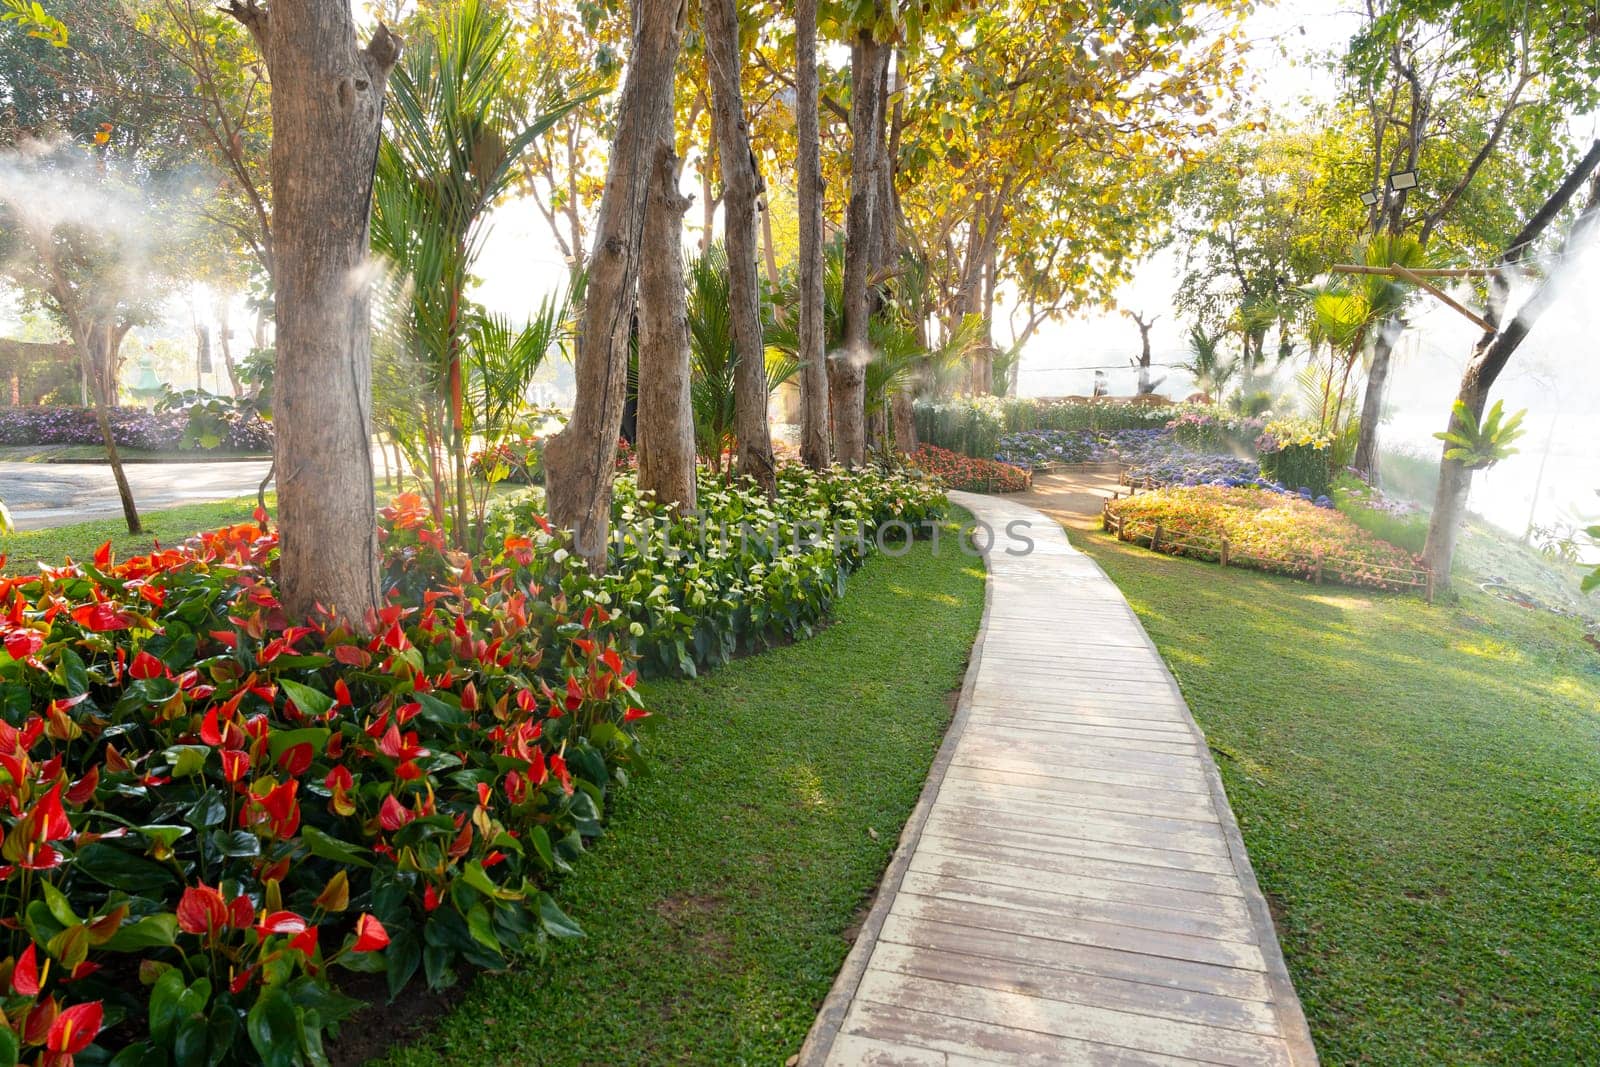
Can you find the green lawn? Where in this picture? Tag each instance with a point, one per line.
(79, 540)
(716, 905)
(1419, 789)
(97, 454)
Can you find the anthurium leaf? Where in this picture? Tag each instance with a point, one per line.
(312, 703)
(273, 1028)
(152, 931)
(165, 1001)
(556, 922)
(439, 712)
(164, 834)
(186, 759)
(331, 848)
(59, 906)
(482, 928)
(8, 1047)
(280, 741)
(121, 869)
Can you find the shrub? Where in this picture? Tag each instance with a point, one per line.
(163, 431)
(519, 461)
(1268, 531)
(690, 591)
(974, 475)
(209, 807)
(1296, 454)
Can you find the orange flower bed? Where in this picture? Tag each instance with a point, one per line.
(1267, 531)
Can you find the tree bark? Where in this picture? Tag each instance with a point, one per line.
(580, 460)
(816, 450)
(742, 187)
(327, 114)
(666, 413)
(224, 338)
(847, 368)
(1494, 350)
(95, 349)
(1366, 457)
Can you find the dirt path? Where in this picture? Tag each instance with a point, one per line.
(1073, 496)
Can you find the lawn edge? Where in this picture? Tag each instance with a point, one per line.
(830, 1016)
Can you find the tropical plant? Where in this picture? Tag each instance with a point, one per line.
(1210, 368)
(713, 358)
(455, 138)
(1478, 445)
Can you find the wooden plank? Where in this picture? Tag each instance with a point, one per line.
(1081, 1022)
(1046, 898)
(1068, 805)
(1000, 868)
(967, 1042)
(973, 754)
(948, 960)
(1137, 799)
(992, 940)
(1181, 743)
(1073, 840)
(956, 841)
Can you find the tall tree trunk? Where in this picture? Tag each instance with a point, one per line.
(742, 187)
(580, 460)
(815, 447)
(769, 253)
(1495, 349)
(666, 413)
(327, 115)
(1366, 457)
(847, 368)
(224, 344)
(94, 349)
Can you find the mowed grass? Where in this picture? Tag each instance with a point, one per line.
(717, 904)
(1419, 789)
(168, 526)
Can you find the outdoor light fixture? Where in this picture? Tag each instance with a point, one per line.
(1402, 179)
(1369, 197)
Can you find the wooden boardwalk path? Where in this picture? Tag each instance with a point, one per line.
(1071, 887)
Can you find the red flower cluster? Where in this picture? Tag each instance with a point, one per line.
(438, 764)
(973, 475)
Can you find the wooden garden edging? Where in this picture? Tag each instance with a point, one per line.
(1317, 567)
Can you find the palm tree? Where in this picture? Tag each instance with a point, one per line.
(1210, 369)
(713, 357)
(455, 135)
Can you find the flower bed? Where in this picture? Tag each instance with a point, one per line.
(691, 591)
(157, 431)
(973, 475)
(210, 811)
(1278, 532)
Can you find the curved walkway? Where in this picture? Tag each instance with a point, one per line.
(1071, 887)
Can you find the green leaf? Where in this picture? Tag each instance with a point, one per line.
(440, 713)
(186, 760)
(8, 1047)
(556, 922)
(331, 848)
(153, 931)
(312, 702)
(165, 1001)
(280, 741)
(274, 1028)
(121, 869)
(59, 906)
(482, 928)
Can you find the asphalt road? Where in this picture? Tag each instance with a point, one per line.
(53, 494)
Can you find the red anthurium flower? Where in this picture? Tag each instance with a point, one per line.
(82, 790)
(241, 912)
(391, 816)
(145, 666)
(493, 858)
(53, 824)
(211, 728)
(370, 935)
(74, 1028)
(43, 1016)
(352, 655)
(101, 616)
(25, 978)
(537, 772)
(341, 694)
(201, 910)
(430, 897)
(102, 556)
(82, 970)
(226, 637)
(23, 643)
(558, 767)
(282, 922)
(612, 660)
(633, 714)
(574, 694)
(235, 763)
(156, 595)
(339, 778)
(296, 759)
(241, 980)
(305, 941)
